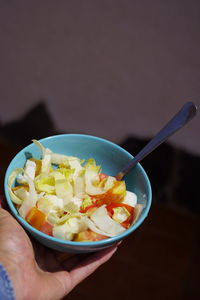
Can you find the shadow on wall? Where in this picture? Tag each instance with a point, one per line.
(172, 171)
(36, 123)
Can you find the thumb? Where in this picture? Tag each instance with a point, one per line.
(55, 285)
(4, 215)
(68, 280)
(7, 220)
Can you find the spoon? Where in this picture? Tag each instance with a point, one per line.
(181, 118)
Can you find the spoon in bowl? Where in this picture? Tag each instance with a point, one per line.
(181, 118)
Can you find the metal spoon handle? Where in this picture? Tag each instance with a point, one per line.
(181, 118)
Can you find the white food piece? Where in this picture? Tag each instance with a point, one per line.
(50, 203)
(67, 230)
(138, 210)
(53, 218)
(94, 228)
(109, 183)
(130, 199)
(22, 193)
(91, 177)
(59, 158)
(104, 222)
(79, 184)
(46, 163)
(62, 232)
(76, 165)
(29, 203)
(30, 168)
(77, 201)
(63, 187)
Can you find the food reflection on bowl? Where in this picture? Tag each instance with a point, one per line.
(106, 154)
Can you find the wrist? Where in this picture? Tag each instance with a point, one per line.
(14, 276)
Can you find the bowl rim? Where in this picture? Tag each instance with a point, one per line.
(104, 242)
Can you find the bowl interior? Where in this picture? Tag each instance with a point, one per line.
(112, 159)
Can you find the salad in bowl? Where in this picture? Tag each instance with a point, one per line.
(62, 189)
(70, 198)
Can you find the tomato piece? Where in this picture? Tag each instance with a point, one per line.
(126, 224)
(115, 194)
(88, 235)
(102, 176)
(46, 228)
(36, 218)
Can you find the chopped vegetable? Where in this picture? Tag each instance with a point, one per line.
(70, 198)
(88, 235)
(37, 219)
(130, 199)
(104, 222)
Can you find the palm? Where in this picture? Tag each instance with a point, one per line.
(53, 261)
(17, 244)
(38, 272)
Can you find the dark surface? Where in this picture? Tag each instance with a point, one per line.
(174, 174)
(159, 261)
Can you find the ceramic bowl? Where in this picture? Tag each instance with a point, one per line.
(112, 159)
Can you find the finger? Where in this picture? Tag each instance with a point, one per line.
(13, 232)
(6, 219)
(4, 214)
(90, 264)
(71, 261)
(63, 257)
(68, 280)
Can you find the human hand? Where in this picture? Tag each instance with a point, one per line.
(45, 274)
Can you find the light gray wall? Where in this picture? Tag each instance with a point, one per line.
(107, 68)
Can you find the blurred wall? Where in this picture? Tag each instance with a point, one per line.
(108, 68)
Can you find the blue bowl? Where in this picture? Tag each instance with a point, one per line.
(111, 157)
